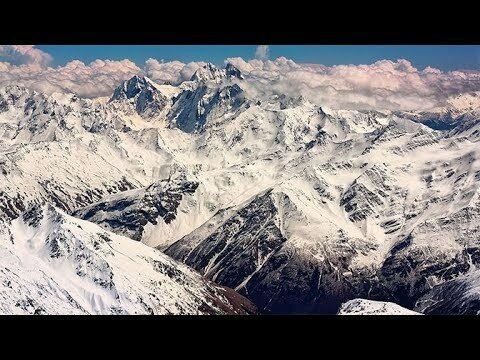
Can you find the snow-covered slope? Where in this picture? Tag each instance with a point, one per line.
(459, 111)
(390, 222)
(52, 263)
(369, 307)
(297, 206)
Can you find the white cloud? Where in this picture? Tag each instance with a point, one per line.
(174, 72)
(261, 53)
(388, 85)
(24, 54)
(99, 78)
(27, 66)
(385, 84)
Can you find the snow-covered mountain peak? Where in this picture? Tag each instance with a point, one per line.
(16, 90)
(459, 114)
(465, 102)
(233, 72)
(141, 92)
(194, 108)
(210, 73)
(16, 96)
(132, 87)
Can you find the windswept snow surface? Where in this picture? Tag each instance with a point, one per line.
(52, 263)
(369, 307)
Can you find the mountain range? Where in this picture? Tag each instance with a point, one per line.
(194, 198)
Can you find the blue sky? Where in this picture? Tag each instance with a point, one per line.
(444, 57)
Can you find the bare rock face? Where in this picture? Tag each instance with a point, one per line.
(249, 251)
(192, 109)
(231, 254)
(459, 296)
(128, 212)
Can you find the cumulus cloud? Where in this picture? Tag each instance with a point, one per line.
(261, 53)
(99, 78)
(24, 54)
(174, 72)
(26, 65)
(385, 84)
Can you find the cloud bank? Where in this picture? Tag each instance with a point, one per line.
(24, 54)
(383, 85)
(30, 68)
(98, 78)
(174, 72)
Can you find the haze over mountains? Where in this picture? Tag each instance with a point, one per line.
(297, 206)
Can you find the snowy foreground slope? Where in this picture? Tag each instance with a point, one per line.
(51, 263)
(296, 206)
(369, 307)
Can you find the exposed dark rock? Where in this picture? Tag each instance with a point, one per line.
(127, 213)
